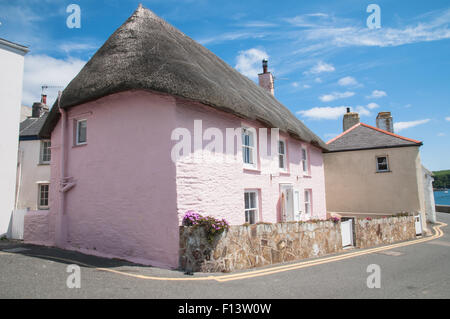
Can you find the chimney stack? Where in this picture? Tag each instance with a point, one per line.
(385, 121)
(266, 80)
(350, 119)
(40, 108)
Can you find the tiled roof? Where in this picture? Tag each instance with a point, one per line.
(363, 136)
(31, 126)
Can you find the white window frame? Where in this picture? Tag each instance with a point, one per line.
(40, 195)
(253, 149)
(305, 161)
(255, 209)
(41, 153)
(284, 168)
(77, 122)
(387, 164)
(307, 200)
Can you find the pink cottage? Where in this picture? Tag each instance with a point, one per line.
(141, 136)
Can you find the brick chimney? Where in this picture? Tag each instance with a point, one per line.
(350, 119)
(40, 108)
(266, 80)
(385, 121)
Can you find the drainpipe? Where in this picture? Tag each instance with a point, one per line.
(61, 233)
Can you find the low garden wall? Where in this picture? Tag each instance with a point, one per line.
(243, 247)
(443, 208)
(382, 231)
(248, 246)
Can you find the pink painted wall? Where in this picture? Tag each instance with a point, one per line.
(218, 189)
(130, 197)
(124, 202)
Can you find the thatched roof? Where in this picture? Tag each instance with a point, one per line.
(147, 53)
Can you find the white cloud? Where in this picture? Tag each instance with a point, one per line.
(70, 47)
(372, 106)
(306, 86)
(400, 126)
(45, 70)
(348, 81)
(321, 67)
(318, 80)
(362, 111)
(441, 134)
(447, 118)
(376, 94)
(324, 113)
(335, 95)
(343, 36)
(249, 62)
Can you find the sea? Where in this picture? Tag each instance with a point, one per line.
(442, 197)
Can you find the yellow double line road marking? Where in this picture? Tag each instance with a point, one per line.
(263, 272)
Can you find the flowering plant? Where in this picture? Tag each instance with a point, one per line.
(212, 226)
(191, 218)
(335, 219)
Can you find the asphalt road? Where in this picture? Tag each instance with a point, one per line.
(416, 271)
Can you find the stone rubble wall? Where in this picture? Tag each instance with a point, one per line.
(382, 231)
(243, 247)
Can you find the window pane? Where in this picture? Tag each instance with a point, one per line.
(281, 161)
(82, 131)
(252, 200)
(304, 160)
(281, 147)
(382, 163)
(43, 195)
(250, 216)
(45, 151)
(247, 200)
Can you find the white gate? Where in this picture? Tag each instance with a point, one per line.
(17, 223)
(418, 224)
(347, 233)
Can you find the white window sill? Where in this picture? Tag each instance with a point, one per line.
(251, 168)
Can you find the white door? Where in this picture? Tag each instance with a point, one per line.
(18, 223)
(418, 224)
(347, 233)
(297, 205)
(287, 203)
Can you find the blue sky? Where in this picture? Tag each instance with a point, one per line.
(322, 53)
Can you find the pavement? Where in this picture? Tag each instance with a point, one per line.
(416, 269)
